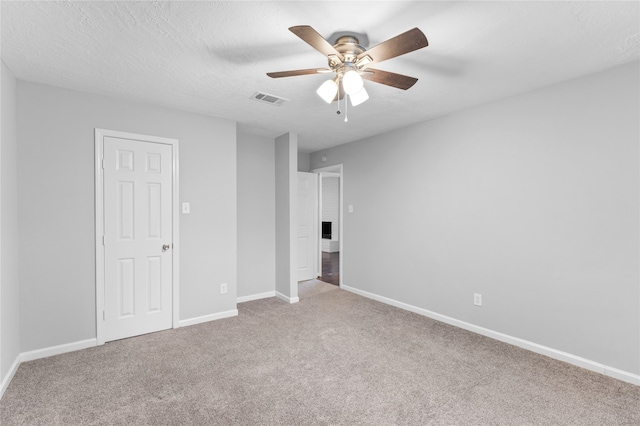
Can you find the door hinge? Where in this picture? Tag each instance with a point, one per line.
(102, 162)
(103, 240)
(104, 316)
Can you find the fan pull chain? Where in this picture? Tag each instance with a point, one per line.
(338, 111)
(346, 108)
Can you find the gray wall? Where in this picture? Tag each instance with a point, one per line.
(331, 204)
(531, 201)
(9, 285)
(56, 207)
(304, 161)
(256, 215)
(286, 180)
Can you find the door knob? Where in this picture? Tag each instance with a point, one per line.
(166, 247)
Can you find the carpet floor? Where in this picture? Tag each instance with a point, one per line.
(334, 358)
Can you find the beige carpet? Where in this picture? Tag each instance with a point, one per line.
(335, 358)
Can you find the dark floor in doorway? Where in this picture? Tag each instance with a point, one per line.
(330, 268)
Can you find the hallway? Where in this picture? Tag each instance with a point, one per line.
(331, 268)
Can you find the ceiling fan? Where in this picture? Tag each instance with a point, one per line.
(351, 63)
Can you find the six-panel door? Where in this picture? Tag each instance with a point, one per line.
(138, 241)
(307, 225)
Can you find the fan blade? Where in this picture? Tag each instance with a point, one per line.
(315, 40)
(399, 45)
(389, 78)
(298, 72)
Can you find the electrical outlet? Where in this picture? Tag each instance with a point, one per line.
(223, 288)
(477, 299)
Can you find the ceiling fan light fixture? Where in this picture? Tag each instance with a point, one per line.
(327, 91)
(360, 97)
(352, 82)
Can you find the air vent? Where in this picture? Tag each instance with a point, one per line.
(269, 99)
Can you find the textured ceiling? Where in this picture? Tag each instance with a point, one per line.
(210, 57)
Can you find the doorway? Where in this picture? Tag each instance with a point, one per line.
(331, 221)
(136, 234)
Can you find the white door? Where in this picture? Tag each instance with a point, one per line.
(137, 237)
(307, 225)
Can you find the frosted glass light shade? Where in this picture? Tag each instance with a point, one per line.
(352, 82)
(327, 91)
(360, 97)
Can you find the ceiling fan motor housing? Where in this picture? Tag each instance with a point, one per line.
(350, 48)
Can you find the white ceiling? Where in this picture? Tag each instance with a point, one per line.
(210, 57)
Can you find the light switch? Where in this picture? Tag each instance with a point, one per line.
(186, 208)
(350, 208)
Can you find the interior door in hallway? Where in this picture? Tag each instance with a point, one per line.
(137, 237)
(307, 225)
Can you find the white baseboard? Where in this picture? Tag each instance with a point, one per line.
(7, 379)
(89, 343)
(256, 296)
(57, 350)
(525, 344)
(43, 353)
(207, 318)
(287, 298)
(625, 376)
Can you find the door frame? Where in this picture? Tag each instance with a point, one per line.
(100, 134)
(336, 168)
